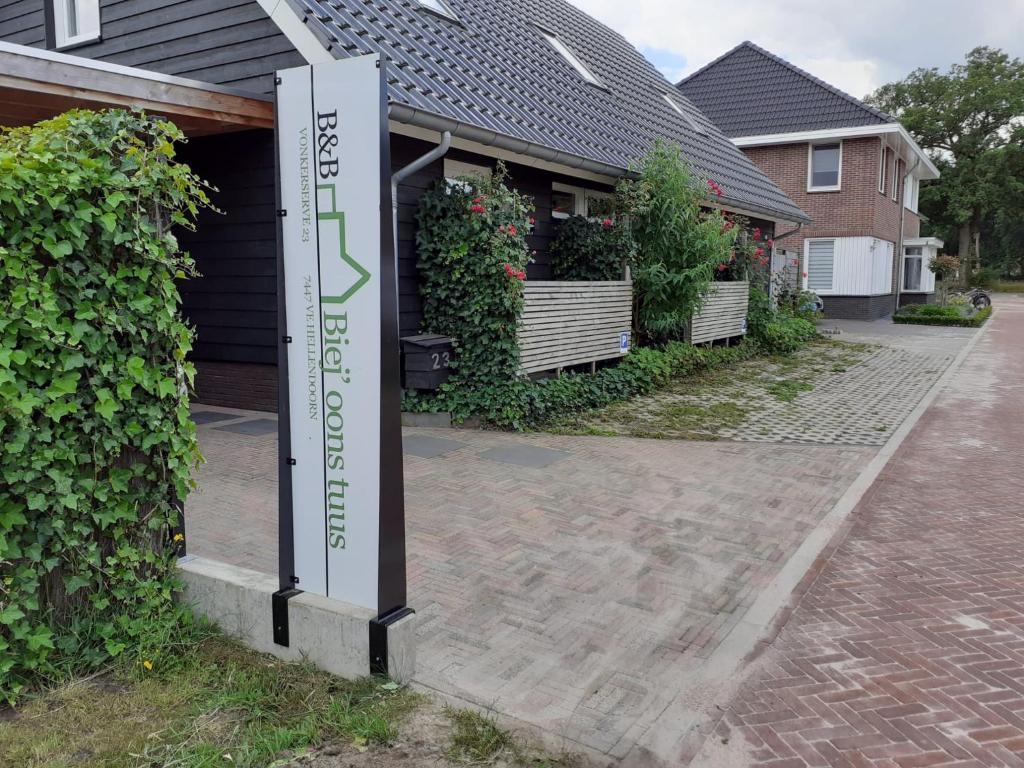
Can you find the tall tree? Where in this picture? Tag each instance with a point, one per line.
(966, 118)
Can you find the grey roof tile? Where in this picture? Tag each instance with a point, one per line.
(749, 91)
(493, 69)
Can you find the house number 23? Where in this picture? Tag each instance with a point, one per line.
(441, 360)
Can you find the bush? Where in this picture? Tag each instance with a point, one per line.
(784, 335)
(985, 278)
(591, 250)
(680, 243)
(98, 444)
(933, 314)
(471, 241)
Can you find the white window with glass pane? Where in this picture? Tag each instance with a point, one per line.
(568, 200)
(824, 167)
(75, 22)
(913, 268)
(821, 262)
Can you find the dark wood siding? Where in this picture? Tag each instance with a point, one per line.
(233, 304)
(21, 22)
(228, 42)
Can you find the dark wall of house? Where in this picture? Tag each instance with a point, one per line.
(858, 307)
(229, 42)
(916, 298)
(233, 303)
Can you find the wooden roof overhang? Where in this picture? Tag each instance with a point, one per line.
(37, 84)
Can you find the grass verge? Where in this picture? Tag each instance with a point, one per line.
(221, 705)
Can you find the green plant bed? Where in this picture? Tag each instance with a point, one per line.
(932, 314)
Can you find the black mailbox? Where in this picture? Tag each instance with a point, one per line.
(425, 360)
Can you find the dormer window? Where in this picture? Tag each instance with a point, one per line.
(440, 7)
(75, 22)
(555, 42)
(685, 115)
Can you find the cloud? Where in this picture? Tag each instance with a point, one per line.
(854, 46)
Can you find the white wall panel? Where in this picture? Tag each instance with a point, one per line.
(862, 266)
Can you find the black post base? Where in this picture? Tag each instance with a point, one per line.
(279, 608)
(379, 638)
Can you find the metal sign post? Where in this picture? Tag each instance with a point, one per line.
(342, 518)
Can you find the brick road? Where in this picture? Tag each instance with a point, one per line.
(907, 649)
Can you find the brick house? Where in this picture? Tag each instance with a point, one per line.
(854, 169)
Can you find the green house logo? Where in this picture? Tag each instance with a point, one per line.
(360, 275)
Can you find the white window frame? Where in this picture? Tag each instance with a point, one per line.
(807, 263)
(810, 167)
(580, 195)
(883, 169)
(920, 256)
(895, 175)
(911, 194)
(87, 13)
(571, 58)
(685, 115)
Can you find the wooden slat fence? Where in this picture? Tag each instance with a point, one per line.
(724, 313)
(571, 323)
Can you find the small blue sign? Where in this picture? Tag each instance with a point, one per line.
(624, 341)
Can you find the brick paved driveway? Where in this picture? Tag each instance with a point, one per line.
(570, 596)
(908, 648)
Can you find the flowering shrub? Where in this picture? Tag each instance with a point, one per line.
(471, 241)
(680, 243)
(97, 440)
(591, 250)
(750, 258)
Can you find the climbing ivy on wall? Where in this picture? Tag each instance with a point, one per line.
(471, 241)
(97, 441)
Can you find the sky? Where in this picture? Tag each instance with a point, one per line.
(856, 46)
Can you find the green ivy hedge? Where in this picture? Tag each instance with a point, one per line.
(471, 242)
(97, 439)
(931, 314)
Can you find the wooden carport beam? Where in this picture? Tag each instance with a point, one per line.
(35, 84)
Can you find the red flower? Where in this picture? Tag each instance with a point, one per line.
(512, 230)
(502, 229)
(478, 209)
(728, 226)
(607, 223)
(478, 200)
(805, 274)
(757, 233)
(759, 252)
(721, 267)
(509, 270)
(532, 221)
(771, 243)
(521, 275)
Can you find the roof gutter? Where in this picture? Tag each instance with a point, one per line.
(433, 122)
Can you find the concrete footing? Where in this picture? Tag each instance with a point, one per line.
(329, 634)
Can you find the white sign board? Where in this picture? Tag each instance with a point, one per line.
(330, 166)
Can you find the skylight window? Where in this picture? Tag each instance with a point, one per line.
(685, 115)
(439, 7)
(570, 57)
